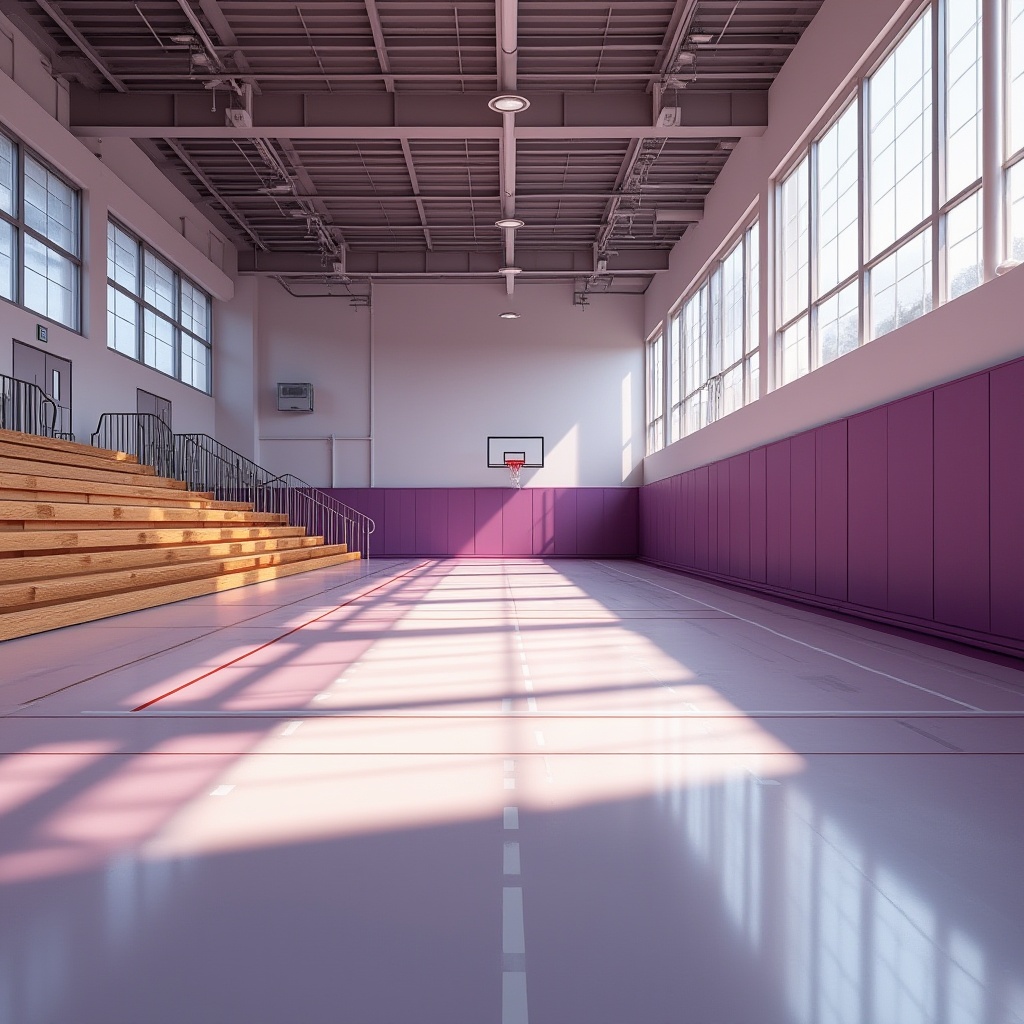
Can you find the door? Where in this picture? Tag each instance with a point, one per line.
(52, 374)
(145, 401)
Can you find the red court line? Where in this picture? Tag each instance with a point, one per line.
(270, 643)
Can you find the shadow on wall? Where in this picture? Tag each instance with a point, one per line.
(585, 522)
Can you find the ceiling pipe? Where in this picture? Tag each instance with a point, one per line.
(507, 20)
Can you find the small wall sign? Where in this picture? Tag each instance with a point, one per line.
(40, 332)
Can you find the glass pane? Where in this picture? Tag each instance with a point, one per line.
(159, 290)
(963, 95)
(1015, 201)
(901, 285)
(195, 306)
(793, 241)
(753, 377)
(795, 353)
(900, 138)
(195, 363)
(51, 206)
(1015, 76)
(122, 323)
(8, 248)
(675, 370)
(732, 391)
(964, 258)
(753, 288)
(8, 157)
(158, 342)
(837, 202)
(695, 341)
(122, 258)
(732, 307)
(838, 324)
(50, 283)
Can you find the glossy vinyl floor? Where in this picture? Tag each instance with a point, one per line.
(493, 792)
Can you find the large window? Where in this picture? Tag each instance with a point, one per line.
(1013, 144)
(656, 391)
(880, 219)
(154, 313)
(40, 236)
(714, 365)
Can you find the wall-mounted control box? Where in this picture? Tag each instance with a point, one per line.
(294, 397)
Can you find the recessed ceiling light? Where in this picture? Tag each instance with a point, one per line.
(508, 103)
(510, 271)
(509, 315)
(509, 222)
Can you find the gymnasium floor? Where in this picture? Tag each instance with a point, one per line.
(487, 792)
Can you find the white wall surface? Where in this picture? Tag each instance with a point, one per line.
(104, 380)
(980, 329)
(447, 373)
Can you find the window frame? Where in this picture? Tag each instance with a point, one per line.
(145, 258)
(22, 231)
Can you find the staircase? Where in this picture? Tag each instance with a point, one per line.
(86, 533)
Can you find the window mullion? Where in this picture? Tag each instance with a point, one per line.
(993, 137)
(938, 177)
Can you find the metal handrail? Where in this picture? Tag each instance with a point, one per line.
(22, 406)
(205, 464)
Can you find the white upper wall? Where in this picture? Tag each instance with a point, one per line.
(31, 108)
(446, 374)
(942, 345)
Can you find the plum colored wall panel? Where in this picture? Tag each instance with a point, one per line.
(589, 516)
(830, 511)
(779, 528)
(758, 515)
(909, 513)
(700, 517)
(739, 516)
(1007, 499)
(517, 524)
(407, 527)
(544, 522)
(619, 521)
(391, 539)
(962, 503)
(565, 521)
(802, 456)
(461, 521)
(910, 491)
(431, 521)
(487, 505)
(868, 520)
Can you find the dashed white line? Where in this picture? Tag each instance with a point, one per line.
(513, 932)
(510, 818)
(221, 790)
(531, 704)
(291, 728)
(510, 864)
(513, 998)
(539, 737)
(510, 783)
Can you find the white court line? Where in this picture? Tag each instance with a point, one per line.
(513, 933)
(793, 639)
(528, 683)
(291, 728)
(510, 818)
(510, 783)
(221, 791)
(539, 737)
(510, 863)
(510, 765)
(513, 998)
(531, 703)
(506, 705)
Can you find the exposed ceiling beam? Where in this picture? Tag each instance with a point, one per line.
(212, 189)
(378, 42)
(216, 17)
(414, 180)
(61, 20)
(574, 262)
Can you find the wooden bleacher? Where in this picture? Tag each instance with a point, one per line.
(86, 533)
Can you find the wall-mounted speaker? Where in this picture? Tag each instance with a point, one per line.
(294, 397)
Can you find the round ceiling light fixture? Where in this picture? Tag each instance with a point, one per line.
(509, 315)
(508, 103)
(510, 222)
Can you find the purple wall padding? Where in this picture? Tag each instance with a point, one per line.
(539, 522)
(910, 513)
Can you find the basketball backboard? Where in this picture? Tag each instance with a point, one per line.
(529, 449)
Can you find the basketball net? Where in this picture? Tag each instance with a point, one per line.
(514, 468)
